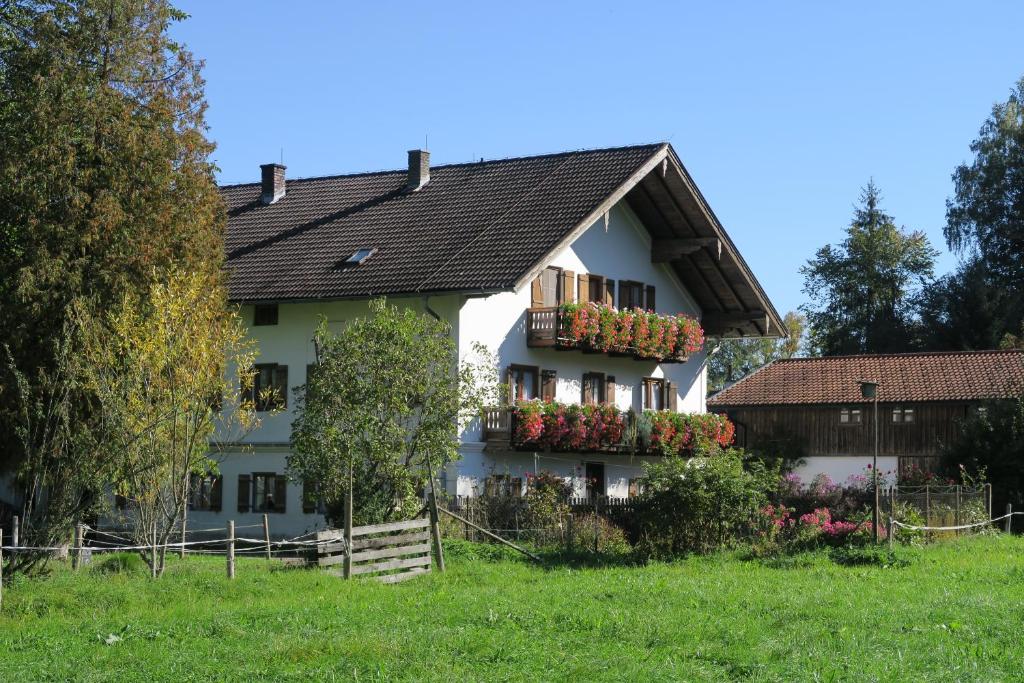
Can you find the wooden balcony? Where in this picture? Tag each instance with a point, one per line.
(542, 327)
(497, 424)
(543, 330)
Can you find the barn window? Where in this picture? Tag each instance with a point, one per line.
(850, 416)
(902, 415)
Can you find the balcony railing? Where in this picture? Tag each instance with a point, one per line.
(595, 328)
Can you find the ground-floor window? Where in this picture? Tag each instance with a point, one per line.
(262, 492)
(205, 492)
(503, 485)
(594, 474)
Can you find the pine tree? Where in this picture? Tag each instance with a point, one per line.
(864, 294)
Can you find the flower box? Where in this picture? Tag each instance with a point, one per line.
(598, 328)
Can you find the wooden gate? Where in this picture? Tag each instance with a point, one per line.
(390, 552)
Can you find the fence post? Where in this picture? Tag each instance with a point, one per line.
(891, 531)
(76, 556)
(568, 532)
(184, 532)
(957, 509)
(927, 512)
(15, 523)
(347, 566)
(2, 566)
(988, 499)
(266, 533)
(435, 530)
(231, 549)
(1009, 518)
(597, 524)
(892, 513)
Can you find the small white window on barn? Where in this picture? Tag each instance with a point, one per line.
(902, 415)
(850, 416)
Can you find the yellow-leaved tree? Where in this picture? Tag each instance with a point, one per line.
(170, 372)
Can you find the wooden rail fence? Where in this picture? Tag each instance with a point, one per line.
(390, 552)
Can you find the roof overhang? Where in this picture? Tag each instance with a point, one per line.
(687, 235)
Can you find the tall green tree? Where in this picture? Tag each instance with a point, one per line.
(105, 177)
(865, 293)
(734, 359)
(984, 300)
(385, 399)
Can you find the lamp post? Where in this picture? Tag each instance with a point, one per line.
(869, 390)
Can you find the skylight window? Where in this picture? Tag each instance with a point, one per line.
(357, 258)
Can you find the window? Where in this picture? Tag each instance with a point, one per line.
(312, 503)
(264, 314)
(594, 473)
(596, 288)
(548, 385)
(269, 492)
(850, 416)
(593, 388)
(359, 256)
(205, 493)
(901, 415)
(503, 485)
(653, 393)
(522, 382)
(631, 294)
(636, 487)
(269, 386)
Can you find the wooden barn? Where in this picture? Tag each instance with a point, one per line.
(814, 405)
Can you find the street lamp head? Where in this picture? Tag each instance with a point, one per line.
(868, 389)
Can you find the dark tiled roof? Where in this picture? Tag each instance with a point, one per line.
(475, 226)
(953, 376)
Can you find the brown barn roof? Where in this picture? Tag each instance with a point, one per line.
(912, 377)
(479, 227)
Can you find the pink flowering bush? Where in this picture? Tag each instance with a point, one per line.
(648, 335)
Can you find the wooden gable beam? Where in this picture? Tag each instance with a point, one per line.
(714, 323)
(665, 250)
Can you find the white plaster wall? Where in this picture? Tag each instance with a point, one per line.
(842, 467)
(466, 477)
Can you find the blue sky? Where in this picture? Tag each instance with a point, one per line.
(780, 111)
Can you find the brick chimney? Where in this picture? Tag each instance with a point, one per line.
(273, 182)
(419, 169)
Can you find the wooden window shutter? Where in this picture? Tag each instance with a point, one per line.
(281, 385)
(649, 304)
(510, 382)
(568, 287)
(671, 397)
(244, 494)
(548, 385)
(609, 390)
(536, 293)
(217, 493)
(609, 292)
(280, 493)
(583, 288)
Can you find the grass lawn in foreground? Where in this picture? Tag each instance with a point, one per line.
(955, 613)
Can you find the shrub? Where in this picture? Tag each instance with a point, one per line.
(698, 505)
(547, 498)
(120, 563)
(611, 538)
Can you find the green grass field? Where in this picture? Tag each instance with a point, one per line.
(955, 613)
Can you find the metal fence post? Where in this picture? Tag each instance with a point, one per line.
(1009, 518)
(15, 524)
(927, 511)
(957, 514)
(76, 556)
(266, 533)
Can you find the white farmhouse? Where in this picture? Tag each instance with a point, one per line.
(492, 247)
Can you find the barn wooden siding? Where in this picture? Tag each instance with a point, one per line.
(934, 424)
